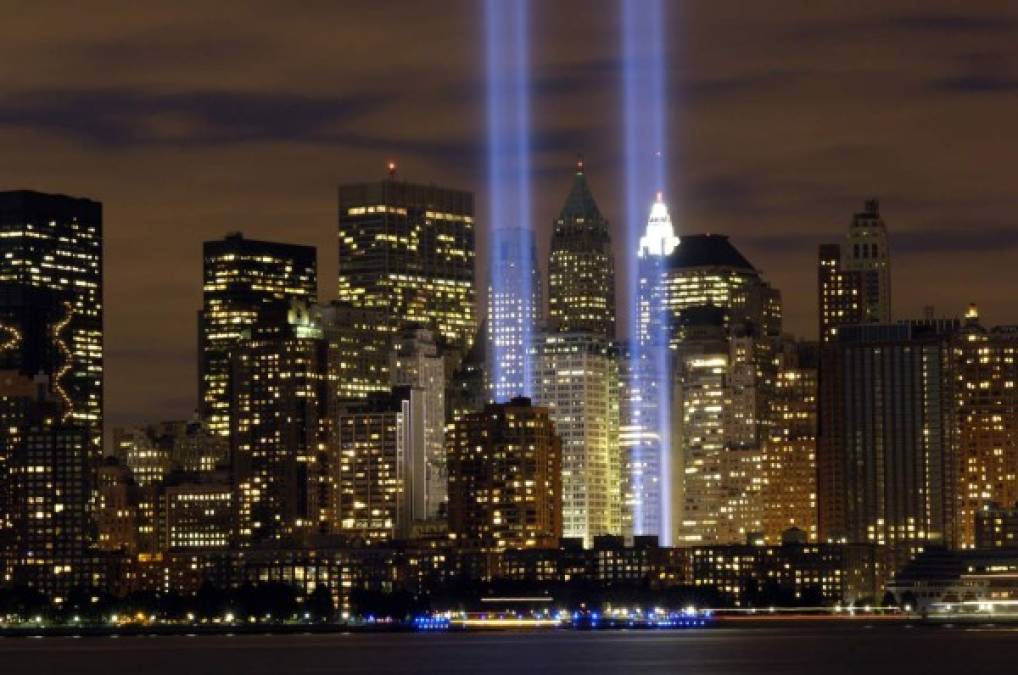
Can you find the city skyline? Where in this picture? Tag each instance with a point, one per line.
(766, 149)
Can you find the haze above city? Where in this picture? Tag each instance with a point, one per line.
(190, 121)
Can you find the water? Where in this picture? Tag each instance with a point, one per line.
(789, 651)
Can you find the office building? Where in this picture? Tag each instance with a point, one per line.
(790, 491)
(505, 478)
(198, 517)
(408, 250)
(577, 380)
(885, 450)
(985, 373)
(379, 471)
(51, 299)
(245, 282)
(717, 472)
(416, 362)
(581, 267)
(854, 277)
(514, 311)
(279, 399)
(359, 342)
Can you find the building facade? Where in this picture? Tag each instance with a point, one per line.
(379, 466)
(790, 485)
(885, 453)
(985, 374)
(505, 478)
(279, 425)
(577, 380)
(52, 245)
(854, 277)
(514, 313)
(416, 361)
(246, 281)
(408, 250)
(581, 267)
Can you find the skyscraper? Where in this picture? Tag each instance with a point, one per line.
(505, 478)
(51, 298)
(717, 471)
(790, 492)
(854, 278)
(279, 424)
(417, 362)
(246, 281)
(409, 250)
(581, 268)
(577, 380)
(379, 471)
(701, 289)
(885, 451)
(985, 375)
(514, 310)
(360, 343)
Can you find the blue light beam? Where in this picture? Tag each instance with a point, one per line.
(645, 135)
(513, 289)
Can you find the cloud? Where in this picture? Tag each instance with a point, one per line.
(122, 117)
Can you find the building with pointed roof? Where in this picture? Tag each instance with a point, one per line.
(581, 268)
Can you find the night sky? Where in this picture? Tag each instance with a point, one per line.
(194, 119)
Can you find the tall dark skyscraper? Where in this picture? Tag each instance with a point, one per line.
(885, 451)
(581, 269)
(246, 281)
(409, 250)
(854, 277)
(51, 298)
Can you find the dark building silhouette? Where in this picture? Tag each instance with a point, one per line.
(885, 455)
(51, 298)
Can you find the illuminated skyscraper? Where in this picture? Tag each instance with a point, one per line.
(577, 380)
(417, 362)
(985, 367)
(408, 250)
(717, 471)
(245, 281)
(379, 473)
(505, 478)
(51, 305)
(514, 309)
(581, 268)
(790, 492)
(360, 341)
(885, 448)
(700, 285)
(279, 399)
(854, 278)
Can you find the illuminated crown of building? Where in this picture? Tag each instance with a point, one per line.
(659, 239)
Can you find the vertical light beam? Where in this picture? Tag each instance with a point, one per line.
(513, 290)
(645, 134)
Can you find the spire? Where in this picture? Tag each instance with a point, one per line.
(659, 239)
(580, 202)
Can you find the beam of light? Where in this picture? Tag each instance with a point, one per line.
(514, 299)
(649, 387)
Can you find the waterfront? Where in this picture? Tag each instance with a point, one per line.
(869, 649)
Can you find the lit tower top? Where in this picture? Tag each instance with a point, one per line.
(659, 239)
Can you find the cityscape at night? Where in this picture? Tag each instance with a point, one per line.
(474, 336)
